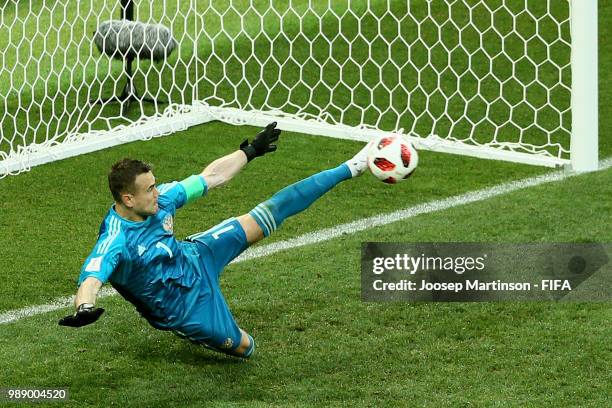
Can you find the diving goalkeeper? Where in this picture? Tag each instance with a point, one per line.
(175, 284)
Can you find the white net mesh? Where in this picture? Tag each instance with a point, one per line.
(489, 73)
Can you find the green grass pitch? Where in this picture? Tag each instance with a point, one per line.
(318, 343)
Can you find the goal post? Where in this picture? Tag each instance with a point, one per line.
(585, 116)
(508, 80)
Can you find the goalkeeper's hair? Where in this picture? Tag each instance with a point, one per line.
(123, 174)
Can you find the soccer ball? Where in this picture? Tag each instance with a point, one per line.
(392, 158)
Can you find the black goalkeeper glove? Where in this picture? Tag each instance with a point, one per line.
(86, 314)
(262, 143)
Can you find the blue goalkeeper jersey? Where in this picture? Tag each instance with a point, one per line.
(145, 263)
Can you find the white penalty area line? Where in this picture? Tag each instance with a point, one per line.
(339, 230)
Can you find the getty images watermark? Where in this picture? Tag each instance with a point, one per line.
(486, 272)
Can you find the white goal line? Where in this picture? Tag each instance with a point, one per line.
(327, 234)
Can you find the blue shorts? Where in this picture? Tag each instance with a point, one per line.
(210, 322)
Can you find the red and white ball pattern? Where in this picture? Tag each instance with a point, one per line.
(392, 158)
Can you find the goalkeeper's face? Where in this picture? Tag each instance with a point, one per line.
(143, 199)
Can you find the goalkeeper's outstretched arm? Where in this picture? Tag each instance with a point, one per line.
(84, 303)
(224, 169)
(88, 291)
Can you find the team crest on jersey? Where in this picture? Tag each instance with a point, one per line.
(168, 223)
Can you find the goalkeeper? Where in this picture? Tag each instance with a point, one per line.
(174, 284)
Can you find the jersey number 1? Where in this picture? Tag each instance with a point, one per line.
(216, 234)
(165, 248)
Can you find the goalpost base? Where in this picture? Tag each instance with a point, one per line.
(201, 113)
(364, 134)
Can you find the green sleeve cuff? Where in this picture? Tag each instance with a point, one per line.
(195, 187)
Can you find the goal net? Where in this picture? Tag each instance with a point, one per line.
(486, 78)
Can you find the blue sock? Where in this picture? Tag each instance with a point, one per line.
(295, 198)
